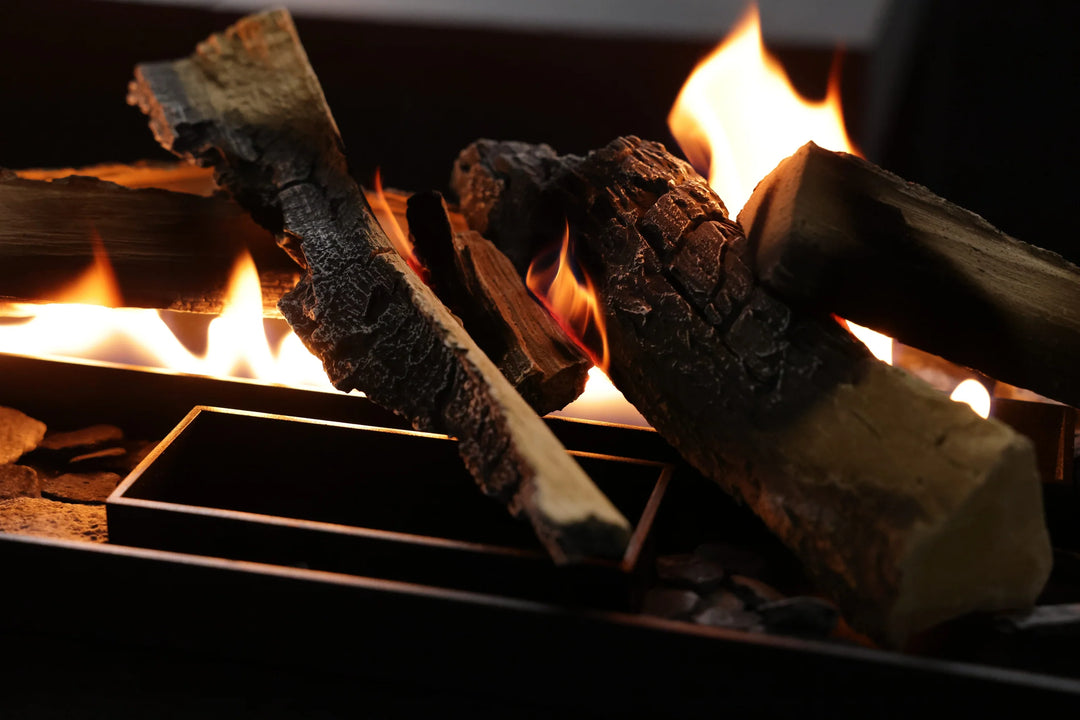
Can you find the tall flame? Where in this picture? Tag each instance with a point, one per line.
(739, 116)
(97, 284)
(570, 296)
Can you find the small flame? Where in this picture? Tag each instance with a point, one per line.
(97, 284)
(739, 116)
(570, 296)
(880, 346)
(398, 237)
(973, 393)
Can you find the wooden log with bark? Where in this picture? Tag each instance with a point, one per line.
(248, 103)
(167, 250)
(478, 283)
(837, 232)
(906, 507)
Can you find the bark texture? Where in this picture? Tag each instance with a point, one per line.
(248, 103)
(908, 508)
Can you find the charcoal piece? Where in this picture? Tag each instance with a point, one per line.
(78, 440)
(801, 615)
(754, 592)
(80, 487)
(689, 570)
(48, 518)
(19, 481)
(670, 603)
(19, 434)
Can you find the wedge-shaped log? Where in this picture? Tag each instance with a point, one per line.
(480, 285)
(838, 232)
(908, 508)
(249, 103)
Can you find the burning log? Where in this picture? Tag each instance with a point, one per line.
(908, 508)
(166, 250)
(836, 232)
(478, 283)
(249, 103)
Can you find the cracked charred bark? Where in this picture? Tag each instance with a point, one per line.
(907, 508)
(248, 103)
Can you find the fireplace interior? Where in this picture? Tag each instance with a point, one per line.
(239, 595)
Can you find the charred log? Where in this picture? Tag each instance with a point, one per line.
(248, 103)
(479, 284)
(839, 233)
(906, 507)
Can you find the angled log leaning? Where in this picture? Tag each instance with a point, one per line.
(837, 231)
(478, 283)
(248, 102)
(167, 250)
(907, 508)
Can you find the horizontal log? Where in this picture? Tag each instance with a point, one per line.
(906, 507)
(167, 250)
(480, 286)
(248, 102)
(835, 231)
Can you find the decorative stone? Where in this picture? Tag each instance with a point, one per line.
(93, 436)
(754, 592)
(18, 481)
(19, 433)
(113, 452)
(81, 487)
(718, 616)
(801, 615)
(670, 603)
(691, 571)
(46, 518)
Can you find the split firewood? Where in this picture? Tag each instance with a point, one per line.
(839, 233)
(907, 508)
(167, 250)
(249, 103)
(478, 283)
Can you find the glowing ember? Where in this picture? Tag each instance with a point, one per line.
(569, 295)
(973, 393)
(738, 115)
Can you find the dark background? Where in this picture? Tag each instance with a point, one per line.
(972, 99)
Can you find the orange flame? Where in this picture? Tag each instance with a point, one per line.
(398, 237)
(739, 116)
(97, 284)
(570, 300)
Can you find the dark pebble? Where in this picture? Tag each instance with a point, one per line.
(802, 615)
(89, 437)
(731, 619)
(690, 571)
(754, 592)
(670, 603)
